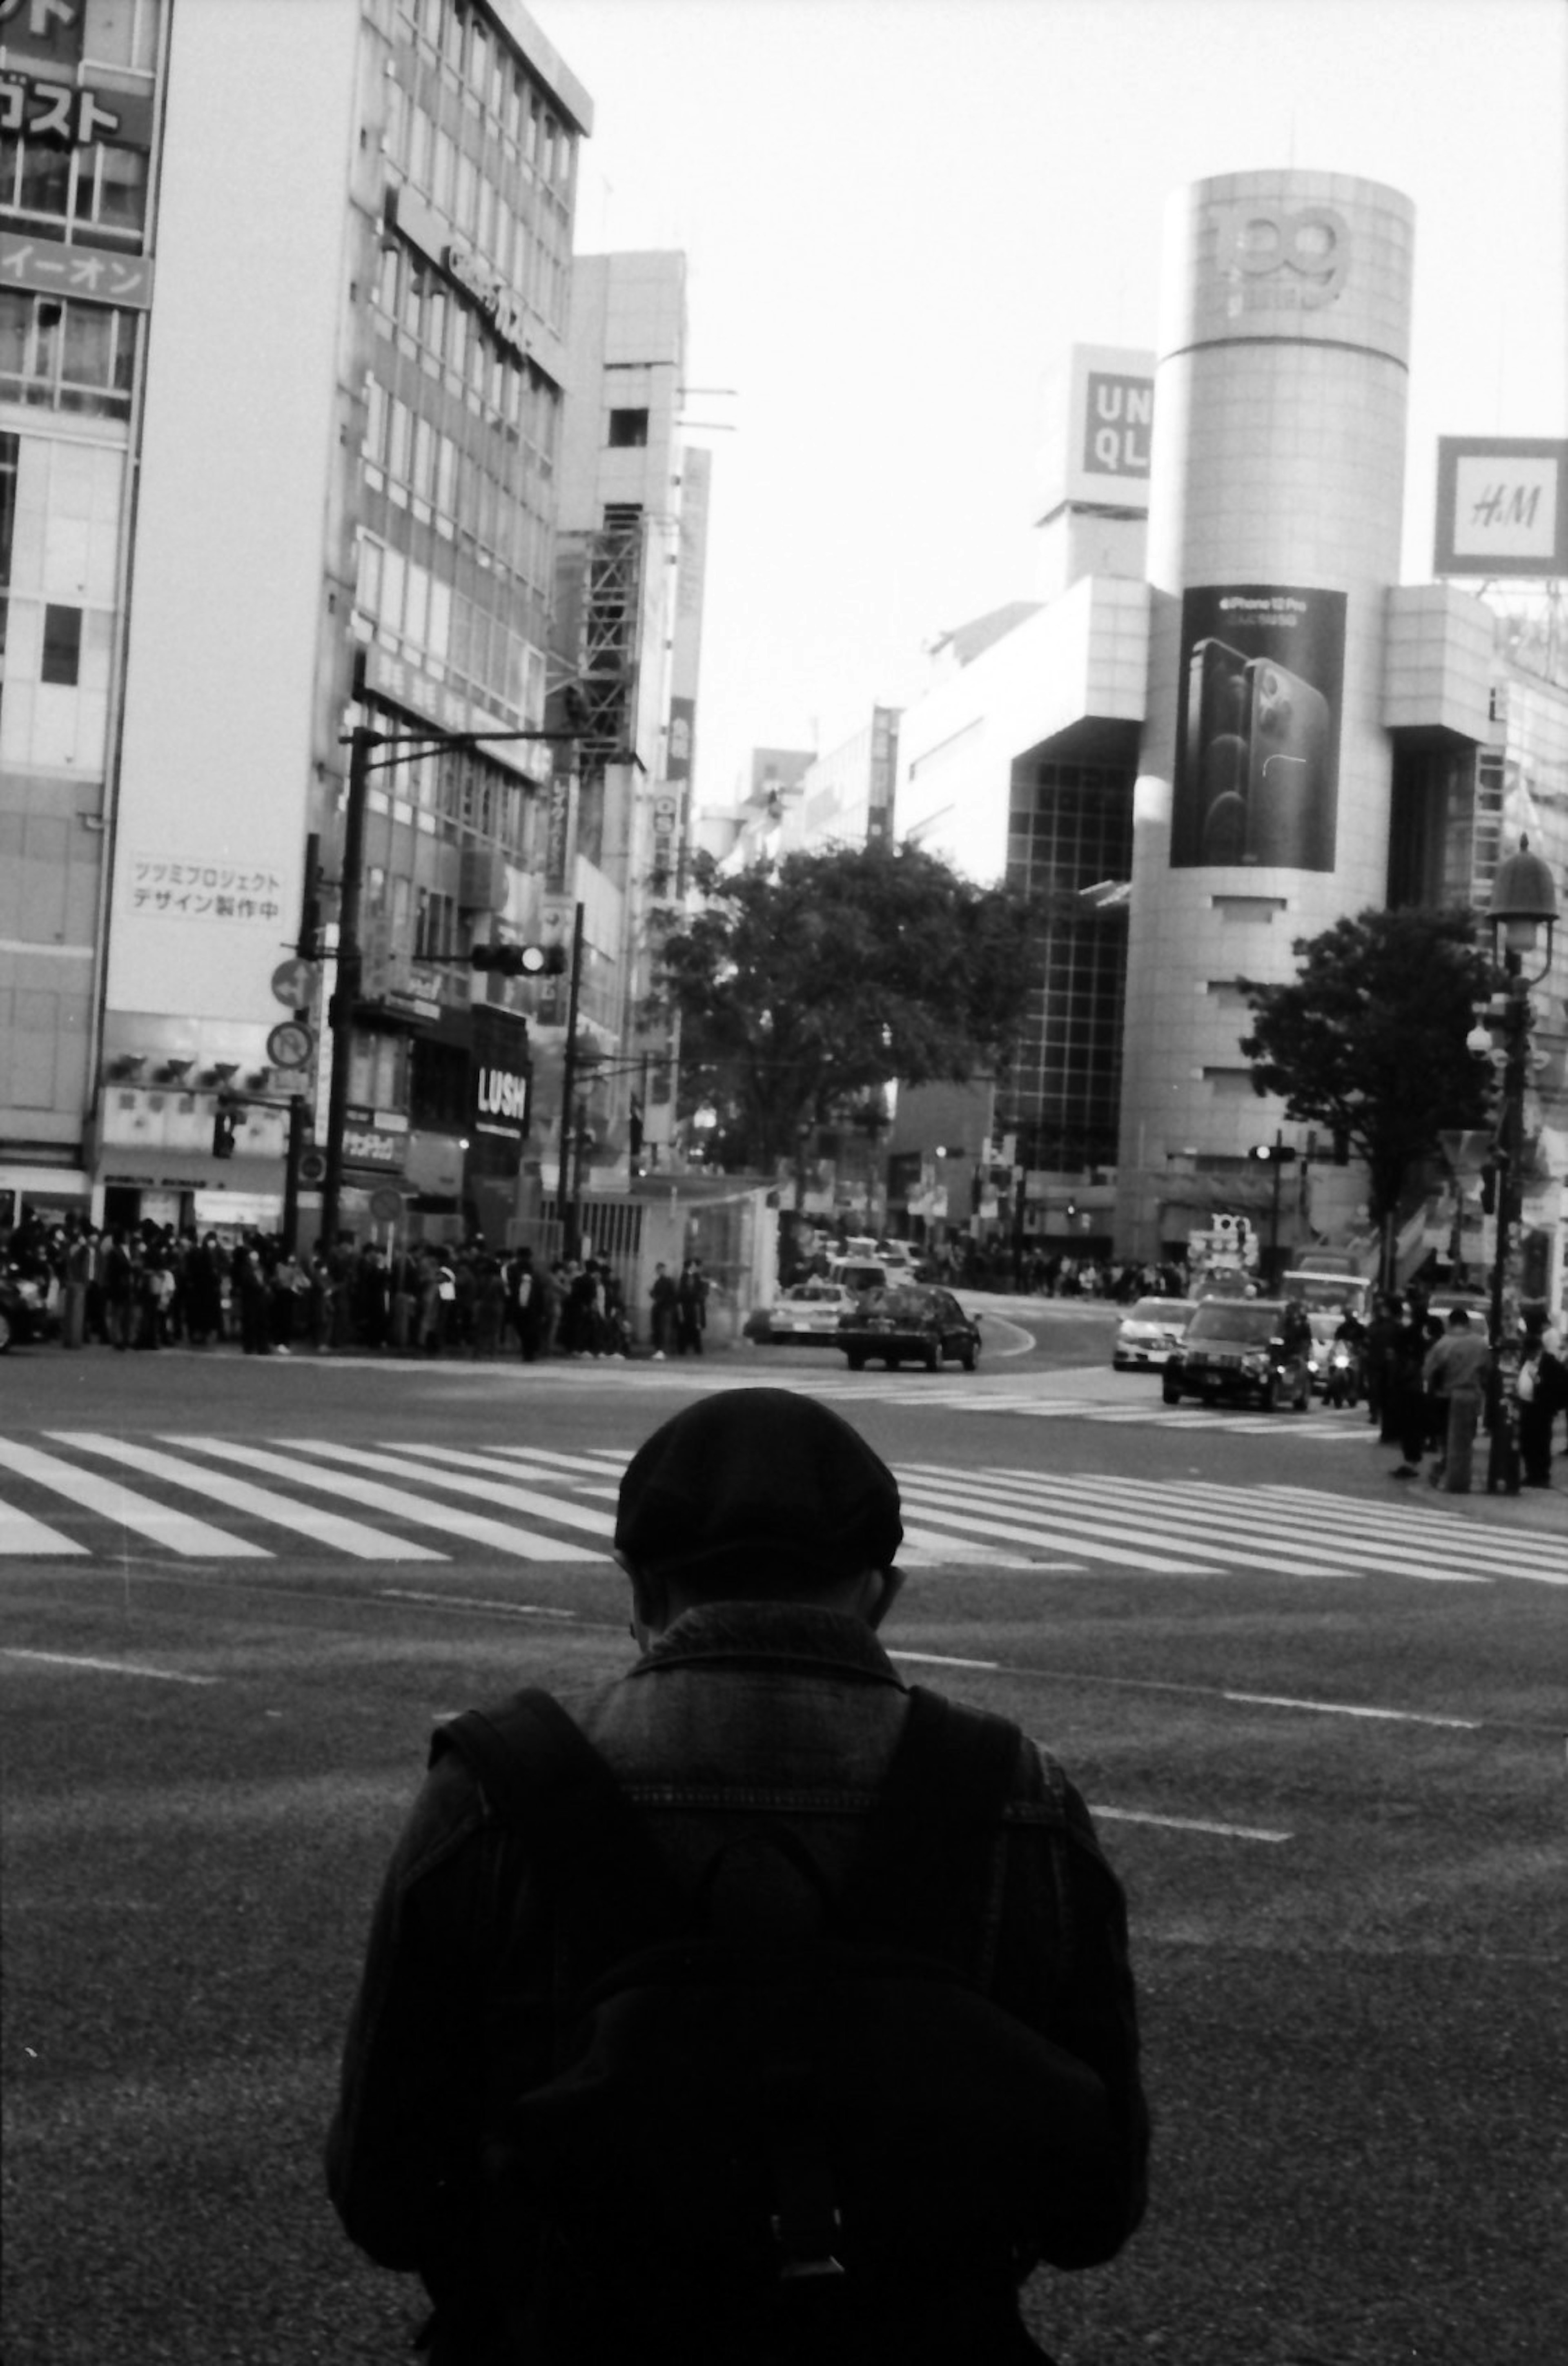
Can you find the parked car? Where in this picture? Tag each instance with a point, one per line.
(806, 1311)
(24, 1308)
(1148, 1332)
(1239, 1347)
(909, 1322)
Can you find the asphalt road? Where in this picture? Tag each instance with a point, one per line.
(1320, 1719)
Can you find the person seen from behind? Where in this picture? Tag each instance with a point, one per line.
(750, 2006)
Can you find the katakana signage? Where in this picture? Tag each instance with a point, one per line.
(164, 887)
(48, 31)
(52, 268)
(74, 114)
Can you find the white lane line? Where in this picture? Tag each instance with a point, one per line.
(1119, 1517)
(1187, 1824)
(945, 1659)
(592, 1461)
(104, 1667)
(260, 1502)
(1353, 1708)
(1224, 1512)
(418, 1509)
(473, 1602)
(509, 1497)
(112, 1500)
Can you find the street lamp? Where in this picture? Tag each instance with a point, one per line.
(1524, 902)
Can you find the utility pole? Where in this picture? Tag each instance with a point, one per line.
(566, 1176)
(308, 948)
(345, 997)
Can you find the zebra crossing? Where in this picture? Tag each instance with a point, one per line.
(923, 1392)
(83, 1496)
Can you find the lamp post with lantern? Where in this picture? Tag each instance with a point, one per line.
(1523, 906)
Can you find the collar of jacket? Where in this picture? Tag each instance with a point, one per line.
(771, 1634)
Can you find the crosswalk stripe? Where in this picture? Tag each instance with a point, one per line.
(1321, 1552)
(115, 1501)
(21, 1533)
(1099, 1547)
(261, 1502)
(420, 1509)
(1102, 1533)
(1115, 1517)
(453, 1481)
(1443, 1544)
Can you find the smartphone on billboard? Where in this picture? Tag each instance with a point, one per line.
(1216, 763)
(1288, 817)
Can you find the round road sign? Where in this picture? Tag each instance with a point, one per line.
(386, 1206)
(290, 1045)
(312, 1167)
(291, 981)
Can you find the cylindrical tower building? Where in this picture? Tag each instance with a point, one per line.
(1262, 805)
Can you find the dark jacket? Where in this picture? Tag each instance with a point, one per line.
(759, 1709)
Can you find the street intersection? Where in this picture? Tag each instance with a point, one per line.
(1319, 1718)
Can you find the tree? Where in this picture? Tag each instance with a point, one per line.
(1369, 1038)
(805, 981)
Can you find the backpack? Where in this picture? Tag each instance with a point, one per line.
(782, 2150)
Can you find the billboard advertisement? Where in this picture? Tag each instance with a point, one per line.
(1097, 427)
(1262, 671)
(1502, 506)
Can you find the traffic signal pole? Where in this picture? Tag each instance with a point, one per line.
(345, 995)
(568, 1088)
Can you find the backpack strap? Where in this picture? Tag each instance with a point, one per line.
(544, 1780)
(923, 1873)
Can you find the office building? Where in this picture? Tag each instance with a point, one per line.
(338, 397)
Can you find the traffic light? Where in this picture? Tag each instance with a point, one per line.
(224, 1126)
(520, 961)
(1272, 1154)
(1489, 1189)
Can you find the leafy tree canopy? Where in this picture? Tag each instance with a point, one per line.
(807, 981)
(1367, 1039)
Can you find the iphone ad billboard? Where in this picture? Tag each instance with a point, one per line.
(1258, 727)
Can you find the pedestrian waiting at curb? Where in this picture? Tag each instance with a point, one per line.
(752, 2009)
(1455, 1372)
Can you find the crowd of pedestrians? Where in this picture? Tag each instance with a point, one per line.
(142, 1287)
(1432, 1382)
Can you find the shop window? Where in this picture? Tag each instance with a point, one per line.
(61, 646)
(627, 428)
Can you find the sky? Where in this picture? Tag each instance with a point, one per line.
(898, 215)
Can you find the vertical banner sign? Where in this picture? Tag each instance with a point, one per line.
(1262, 672)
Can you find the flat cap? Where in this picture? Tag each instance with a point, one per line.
(756, 1475)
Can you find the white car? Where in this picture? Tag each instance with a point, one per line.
(809, 1309)
(1149, 1331)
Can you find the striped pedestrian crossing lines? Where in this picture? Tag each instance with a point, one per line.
(198, 1498)
(952, 1395)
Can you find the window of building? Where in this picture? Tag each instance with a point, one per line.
(628, 427)
(61, 646)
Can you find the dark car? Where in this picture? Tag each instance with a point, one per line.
(1240, 1347)
(909, 1322)
(24, 1303)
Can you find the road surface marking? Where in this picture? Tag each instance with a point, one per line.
(1115, 1513)
(419, 1510)
(1187, 1824)
(1353, 1708)
(510, 1496)
(238, 1495)
(1215, 1514)
(104, 1667)
(117, 1503)
(473, 1602)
